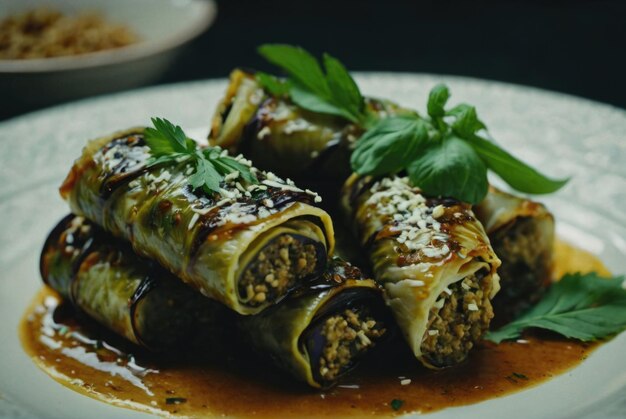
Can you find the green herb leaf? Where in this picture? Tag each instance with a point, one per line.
(230, 165)
(301, 66)
(205, 176)
(422, 149)
(169, 145)
(584, 307)
(513, 171)
(274, 85)
(345, 91)
(165, 138)
(389, 146)
(332, 92)
(450, 168)
(396, 404)
(314, 103)
(437, 100)
(467, 122)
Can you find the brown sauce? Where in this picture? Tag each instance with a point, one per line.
(89, 360)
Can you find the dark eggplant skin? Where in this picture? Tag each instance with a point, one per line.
(201, 238)
(132, 296)
(521, 232)
(288, 333)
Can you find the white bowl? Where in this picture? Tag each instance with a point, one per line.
(163, 26)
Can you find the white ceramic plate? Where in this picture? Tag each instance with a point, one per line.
(560, 134)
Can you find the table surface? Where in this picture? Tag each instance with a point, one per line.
(573, 46)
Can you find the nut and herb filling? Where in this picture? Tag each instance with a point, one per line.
(347, 335)
(458, 319)
(525, 270)
(278, 267)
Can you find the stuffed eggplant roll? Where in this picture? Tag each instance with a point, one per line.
(276, 134)
(131, 296)
(522, 235)
(246, 245)
(320, 332)
(434, 260)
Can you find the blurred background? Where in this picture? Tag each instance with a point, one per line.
(571, 46)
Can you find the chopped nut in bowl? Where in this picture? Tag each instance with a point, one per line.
(63, 50)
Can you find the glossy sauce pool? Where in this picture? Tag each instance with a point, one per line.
(87, 359)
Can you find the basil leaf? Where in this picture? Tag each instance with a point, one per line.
(513, 171)
(584, 307)
(437, 100)
(389, 146)
(343, 88)
(273, 85)
(450, 168)
(301, 66)
(467, 122)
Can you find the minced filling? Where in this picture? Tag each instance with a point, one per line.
(347, 335)
(276, 268)
(524, 270)
(458, 320)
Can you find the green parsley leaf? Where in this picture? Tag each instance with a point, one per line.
(229, 165)
(450, 168)
(205, 176)
(388, 147)
(584, 307)
(170, 145)
(165, 138)
(332, 92)
(437, 100)
(396, 404)
(513, 171)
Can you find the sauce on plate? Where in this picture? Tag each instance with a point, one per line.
(84, 357)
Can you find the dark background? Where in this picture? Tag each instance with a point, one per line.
(574, 46)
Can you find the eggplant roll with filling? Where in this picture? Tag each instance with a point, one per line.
(277, 134)
(246, 246)
(320, 332)
(521, 232)
(434, 260)
(129, 295)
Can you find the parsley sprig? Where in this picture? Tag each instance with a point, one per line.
(584, 307)
(444, 153)
(169, 145)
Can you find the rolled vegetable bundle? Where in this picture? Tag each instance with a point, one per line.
(245, 246)
(434, 260)
(319, 333)
(277, 134)
(131, 296)
(521, 232)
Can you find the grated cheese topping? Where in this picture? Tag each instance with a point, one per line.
(234, 192)
(110, 158)
(407, 209)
